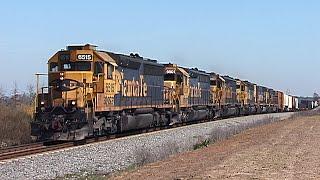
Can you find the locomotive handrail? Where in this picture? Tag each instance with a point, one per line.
(37, 90)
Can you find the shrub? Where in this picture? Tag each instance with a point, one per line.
(201, 145)
(143, 156)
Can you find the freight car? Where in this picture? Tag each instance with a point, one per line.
(307, 103)
(92, 92)
(288, 102)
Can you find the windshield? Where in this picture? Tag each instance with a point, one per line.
(213, 83)
(76, 66)
(169, 77)
(53, 67)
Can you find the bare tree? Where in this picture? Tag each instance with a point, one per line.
(31, 93)
(1, 94)
(15, 94)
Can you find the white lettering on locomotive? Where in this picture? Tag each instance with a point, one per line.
(133, 88)
(195, 91)
(170, 71)
(84, 57)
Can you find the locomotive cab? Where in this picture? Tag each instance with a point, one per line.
(177, 80)
(242, 92)
(217, 86)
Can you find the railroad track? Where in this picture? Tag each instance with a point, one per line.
(36, 148)
(19, 147)
(29, 149)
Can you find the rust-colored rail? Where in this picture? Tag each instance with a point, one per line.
(19, 147)
(30, 149)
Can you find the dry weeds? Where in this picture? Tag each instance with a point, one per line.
(14, 125)
(287, 149)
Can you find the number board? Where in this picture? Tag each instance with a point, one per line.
(170, 71)
(85, 57)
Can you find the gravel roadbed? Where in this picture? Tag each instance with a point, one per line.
(114, 155)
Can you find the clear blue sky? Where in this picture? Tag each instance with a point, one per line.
(274, 43)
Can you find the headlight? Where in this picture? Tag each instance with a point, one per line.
(42, 102)
(73, 102)
(61, 78)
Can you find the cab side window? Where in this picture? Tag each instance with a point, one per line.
(53, 67)
(110, 71)
(179, 79)
(98, 68)
(242, 88)
(219, 84)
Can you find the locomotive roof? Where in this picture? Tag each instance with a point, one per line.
(195, 70)
(122, 59)
(249, 83)
(183, 71)
(262, 87)
(214, 76)
(228, 78)
(272, 90)
(106, 58)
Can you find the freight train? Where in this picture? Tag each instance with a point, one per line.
(92, 92)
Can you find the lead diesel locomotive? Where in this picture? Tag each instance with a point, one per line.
(92, 92)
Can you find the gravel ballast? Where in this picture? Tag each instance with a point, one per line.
(114, 155)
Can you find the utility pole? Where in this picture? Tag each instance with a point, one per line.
(37, 88)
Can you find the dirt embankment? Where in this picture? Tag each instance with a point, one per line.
(288, 149)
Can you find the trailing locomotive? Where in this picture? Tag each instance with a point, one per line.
(92, 92)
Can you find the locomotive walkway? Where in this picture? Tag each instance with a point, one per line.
(288, 149)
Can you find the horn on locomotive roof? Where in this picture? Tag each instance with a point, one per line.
(135, 55)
